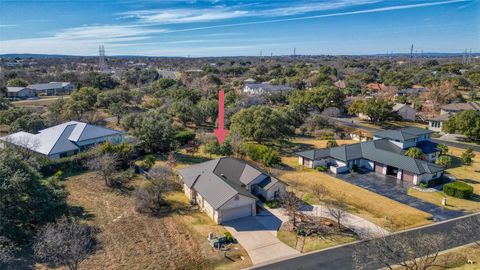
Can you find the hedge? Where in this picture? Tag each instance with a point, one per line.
(67, 164)
(460, 190)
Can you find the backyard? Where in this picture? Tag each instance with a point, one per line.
(129, 240)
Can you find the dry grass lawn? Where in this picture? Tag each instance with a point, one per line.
(41, 102)
(131, 240)
(462, 173)
(314, 242)
(369, 205)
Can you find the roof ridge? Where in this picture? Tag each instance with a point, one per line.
(60, 136)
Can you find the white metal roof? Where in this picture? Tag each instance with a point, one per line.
(60, 138)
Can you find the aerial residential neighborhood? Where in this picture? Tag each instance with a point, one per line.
(266, 135)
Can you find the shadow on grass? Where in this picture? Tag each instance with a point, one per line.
(188, 159)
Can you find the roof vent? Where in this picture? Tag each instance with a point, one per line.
(223, 175)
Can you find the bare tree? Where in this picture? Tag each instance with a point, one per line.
(149, 198)
(319, 191)
(105, 165)
(66, 242)
(410, 251)
(292, 205)
(337, 210)
(7, 248)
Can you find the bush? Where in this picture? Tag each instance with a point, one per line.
(322, 169)
(184, 137)
(213, 147)
(147, 162)
(435, 182)
(266, 155)
(423, 185)
(272, 204)
(67, 164)
(229, 237)
(460, 190)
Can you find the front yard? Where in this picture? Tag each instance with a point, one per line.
(130, 240)
(467, 174)
(312, 243)
(371, 206)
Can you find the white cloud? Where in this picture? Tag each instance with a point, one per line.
(173, 16)
(7, 25)
(79, 40)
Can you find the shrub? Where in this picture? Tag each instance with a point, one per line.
(229, 237)
(460, 190)
(184, 137)
(147, 162)
(322, 169)
(266, 155)
(272, 204)
(423, 185)
(70, 164)
(444, 161)
(213, 147)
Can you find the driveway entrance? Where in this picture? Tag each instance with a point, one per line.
(396, 190)
(257, 235)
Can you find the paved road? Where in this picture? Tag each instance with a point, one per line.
(342, 257)
(389, 187)
(355, 124)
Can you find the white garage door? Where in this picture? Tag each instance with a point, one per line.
(234, 213)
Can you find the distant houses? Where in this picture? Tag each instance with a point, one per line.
(62, 140)
(20, 92)
(446, 111)
(406, 112)
(53, 88)
(265, 88)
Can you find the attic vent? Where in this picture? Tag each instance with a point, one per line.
(223, 176)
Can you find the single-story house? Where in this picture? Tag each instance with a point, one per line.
(447, 111)
(436, 123)
(265, 88)
(406, 112)
(384, 155)
(53, 88)
(228, 188)
(63, 140)
(20, 92)
(454, 108)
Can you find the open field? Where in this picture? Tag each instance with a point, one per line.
(176, 240)
(371, 206)
(462, 173)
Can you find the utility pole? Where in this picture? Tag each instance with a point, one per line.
(294, 52)
(102, 65)
(411, 52)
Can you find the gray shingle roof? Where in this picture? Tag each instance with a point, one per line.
(403, 134)
(50, 85)
(462, 106)
(233, 174)
(268, 87)
(381, 151)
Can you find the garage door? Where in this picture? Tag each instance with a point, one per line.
(234, 213)
(379, 167)
(407, 176)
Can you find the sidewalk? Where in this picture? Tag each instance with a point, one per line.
(364, 228)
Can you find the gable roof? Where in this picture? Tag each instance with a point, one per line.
(60, 138)
(399, 106)
(462, 106)
(50, 85)
(403, 134)
(215, 179)
(381, 151)
(11, 89)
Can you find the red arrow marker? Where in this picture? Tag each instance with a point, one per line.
(221, 132)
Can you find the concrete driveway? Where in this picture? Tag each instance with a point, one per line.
(257, 235)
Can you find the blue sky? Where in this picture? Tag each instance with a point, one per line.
(225, 28)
